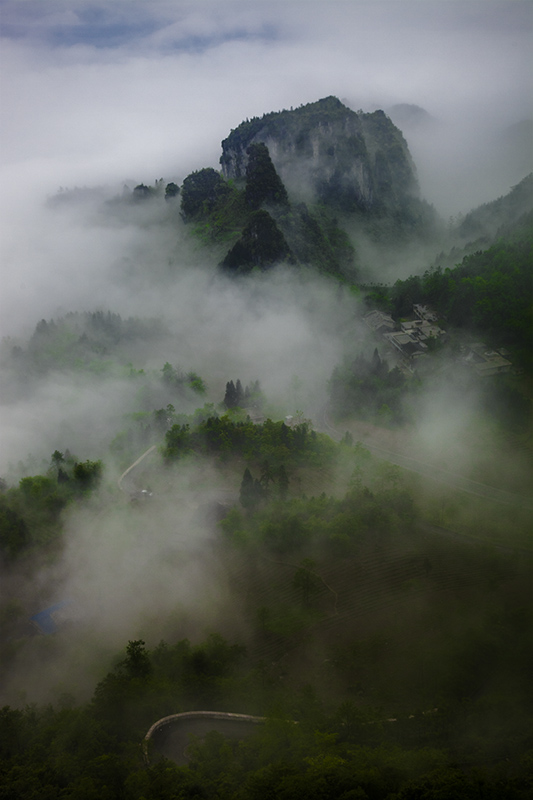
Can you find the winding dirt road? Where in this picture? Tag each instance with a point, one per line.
(131, 467)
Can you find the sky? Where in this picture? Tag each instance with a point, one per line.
(124, 91)
(98, 91)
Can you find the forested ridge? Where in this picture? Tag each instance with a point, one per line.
(88, 341)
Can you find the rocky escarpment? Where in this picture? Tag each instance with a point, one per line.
(325, 152)
(305, 187)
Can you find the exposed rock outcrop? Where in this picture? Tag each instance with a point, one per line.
(328, 153)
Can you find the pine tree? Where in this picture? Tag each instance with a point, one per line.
(283, 482)
(267, 474)
(230, 398)
(248, 492)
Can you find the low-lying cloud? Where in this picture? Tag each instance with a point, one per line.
(108, 95)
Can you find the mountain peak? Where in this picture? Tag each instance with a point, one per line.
(330, 103)
(325, 152)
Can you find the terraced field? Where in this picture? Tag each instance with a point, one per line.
(400, 598)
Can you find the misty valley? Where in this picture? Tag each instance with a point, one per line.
(270, 456)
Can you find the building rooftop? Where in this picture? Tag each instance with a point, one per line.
(407, 343)
(378, 319)
(486, 361)
(425, 312)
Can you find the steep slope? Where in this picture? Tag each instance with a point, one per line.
(409, 116)
(261, 245)
(484, 223)
(509, 217)
(327, 180)
(263, 227)
(325, 152)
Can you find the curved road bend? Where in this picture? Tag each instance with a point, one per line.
(443, 476)
(171, 735)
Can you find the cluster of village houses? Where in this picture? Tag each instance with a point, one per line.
(410, 339)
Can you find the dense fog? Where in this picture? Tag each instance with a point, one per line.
(98, 100)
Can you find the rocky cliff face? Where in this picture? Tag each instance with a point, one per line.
(325, 152)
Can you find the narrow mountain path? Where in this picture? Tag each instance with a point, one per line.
(132, 466)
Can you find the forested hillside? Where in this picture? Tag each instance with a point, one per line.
(365, 683)
(263, 487)
(487, 294)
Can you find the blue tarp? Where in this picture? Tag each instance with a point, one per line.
(45, 620)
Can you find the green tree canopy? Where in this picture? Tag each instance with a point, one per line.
(201, 191)
(171, 190)
(88, 474)
(261, 245)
